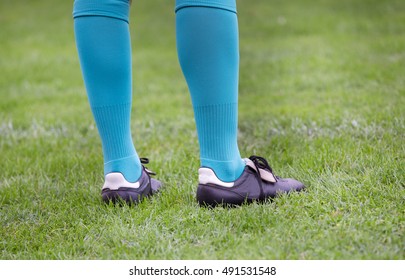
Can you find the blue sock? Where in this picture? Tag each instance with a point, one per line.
(103, 44)
(207, 45)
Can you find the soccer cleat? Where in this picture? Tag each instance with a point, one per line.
(116, 188)
(257, 183)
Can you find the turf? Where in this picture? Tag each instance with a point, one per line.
(322, 96)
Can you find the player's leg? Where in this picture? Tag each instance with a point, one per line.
(207, 44)
(103, 43)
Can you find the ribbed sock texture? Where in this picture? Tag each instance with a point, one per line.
(207, 45)
(222, 156)
(104, 49)
(114, 129)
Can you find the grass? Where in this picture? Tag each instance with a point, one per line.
(322, 96)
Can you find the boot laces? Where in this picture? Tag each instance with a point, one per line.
(146, 161)
(261, 163)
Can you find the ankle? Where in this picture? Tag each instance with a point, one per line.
(130, 167)
(226, 171)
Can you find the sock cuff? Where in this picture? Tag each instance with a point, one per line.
(109, 8)
(229, 5)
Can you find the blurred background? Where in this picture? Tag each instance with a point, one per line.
(322, 96)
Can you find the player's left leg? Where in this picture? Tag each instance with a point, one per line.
(103, 43)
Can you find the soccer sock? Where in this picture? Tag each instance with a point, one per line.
(207, 46)
(103, 44)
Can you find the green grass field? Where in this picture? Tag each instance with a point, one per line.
(322, 96)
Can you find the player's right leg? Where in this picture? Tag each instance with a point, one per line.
(207, 44)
